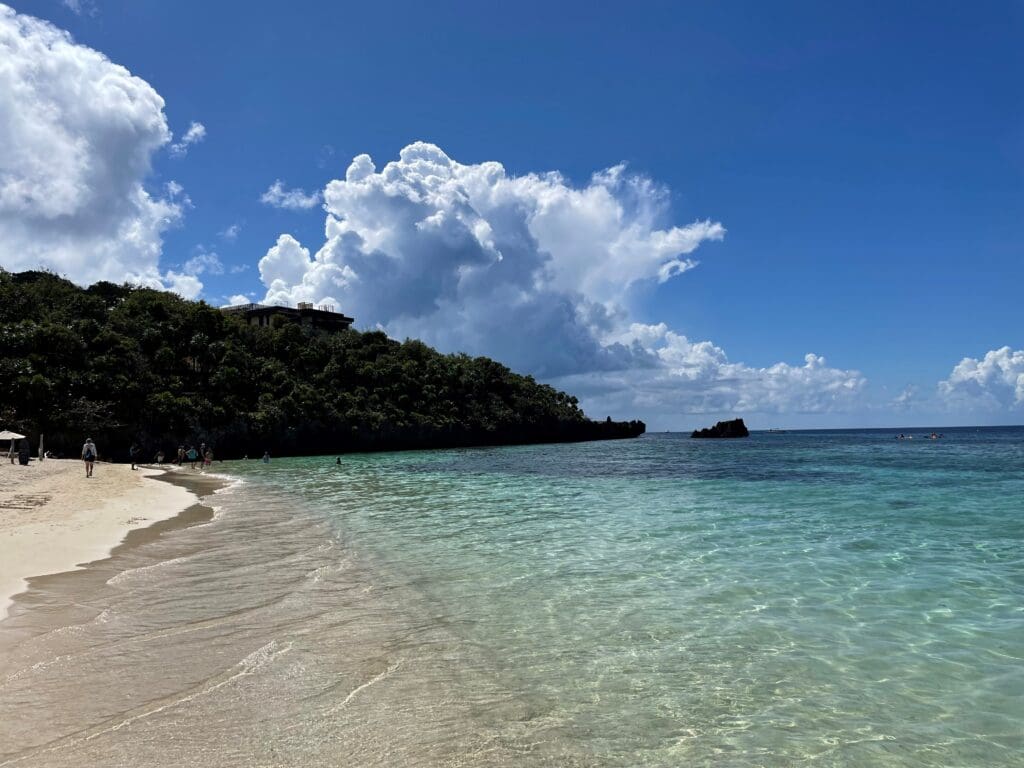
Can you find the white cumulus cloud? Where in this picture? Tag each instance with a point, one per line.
(995, 382)
(290, 199)
(196, 132)
(186, 285)
(536, 272)
(77, 133)
(204, 261)
(691, 378)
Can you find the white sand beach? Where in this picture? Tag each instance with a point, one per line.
(53, 519)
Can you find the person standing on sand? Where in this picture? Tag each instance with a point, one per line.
(133, 454)
(89, 454)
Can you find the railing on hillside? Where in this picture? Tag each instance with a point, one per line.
(301, 305)
(244, 307)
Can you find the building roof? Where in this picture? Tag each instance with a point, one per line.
(324, 311)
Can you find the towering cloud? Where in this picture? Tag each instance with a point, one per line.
(77, 133)
(536, 272)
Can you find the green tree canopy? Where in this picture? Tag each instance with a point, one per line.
(130, 364)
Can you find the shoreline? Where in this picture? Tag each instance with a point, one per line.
(53, 520)
(259, 638)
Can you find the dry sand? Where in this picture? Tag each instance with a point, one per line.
(53, 519)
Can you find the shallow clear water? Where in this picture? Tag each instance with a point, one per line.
(843, 596)
(831, 599)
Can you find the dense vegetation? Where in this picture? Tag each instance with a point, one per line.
(126, 364)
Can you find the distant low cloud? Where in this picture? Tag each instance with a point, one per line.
(196, 133)
(290, 199)
(238, 298)
(993, 383)
(691, 378)
(77, 135)
(536, 272)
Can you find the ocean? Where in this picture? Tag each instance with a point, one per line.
(804, 598)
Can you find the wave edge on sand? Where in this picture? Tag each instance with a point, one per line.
(55, 520)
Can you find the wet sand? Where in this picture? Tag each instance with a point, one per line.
(245, 632)
(53, 519)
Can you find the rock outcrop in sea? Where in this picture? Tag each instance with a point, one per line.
(734, 428)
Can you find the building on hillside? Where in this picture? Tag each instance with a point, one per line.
(323, 318)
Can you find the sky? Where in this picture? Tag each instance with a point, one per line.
(804, 214)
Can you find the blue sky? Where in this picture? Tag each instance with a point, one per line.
(865, 161)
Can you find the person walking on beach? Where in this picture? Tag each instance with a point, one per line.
(192, 455)
(208, 458)
(133, 454)
(89, 454)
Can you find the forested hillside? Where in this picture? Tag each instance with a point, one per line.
(128, 364)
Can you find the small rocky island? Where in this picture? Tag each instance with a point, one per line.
(734, 428)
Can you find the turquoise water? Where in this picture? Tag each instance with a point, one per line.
(806, 598)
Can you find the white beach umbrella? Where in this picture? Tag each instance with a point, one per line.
(12, 436)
